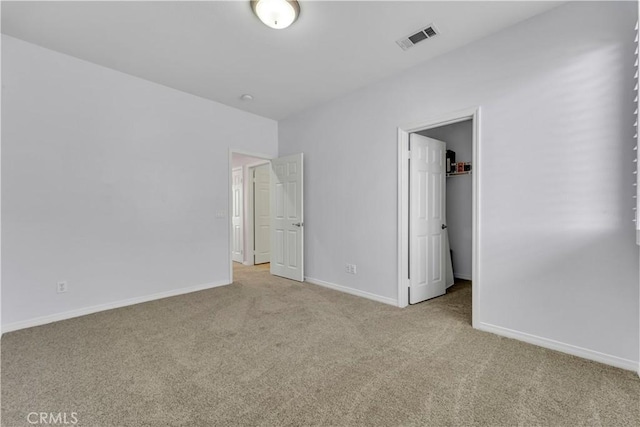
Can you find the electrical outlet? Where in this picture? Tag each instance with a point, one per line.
(347, 268)
(62, 287)
(350, 268)
(354, 269)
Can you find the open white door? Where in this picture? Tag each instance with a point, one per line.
(236, 215)
(261, 215)
(287, 217)
(427, 218)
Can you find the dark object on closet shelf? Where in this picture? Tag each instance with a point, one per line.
(451, 159)
(451, 155)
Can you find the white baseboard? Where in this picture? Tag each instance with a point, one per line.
(351, 291)
(8, 327)
(462, 276)
(596, 356)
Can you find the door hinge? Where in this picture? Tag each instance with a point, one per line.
(409, 154)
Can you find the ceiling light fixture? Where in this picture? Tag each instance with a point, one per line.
(246, 97)
(276, 14)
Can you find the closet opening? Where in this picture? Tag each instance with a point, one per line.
(438, 214)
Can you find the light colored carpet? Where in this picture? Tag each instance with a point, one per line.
(269, 351)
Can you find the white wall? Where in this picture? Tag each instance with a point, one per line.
(458, 137)
(1, 86)
(559, 265)
(110, 182)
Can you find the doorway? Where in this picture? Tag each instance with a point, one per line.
(459, 190)
(267, 214)
(242, 205)
(462, 130)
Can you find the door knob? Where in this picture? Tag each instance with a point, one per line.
(444, 226)
(298, 224)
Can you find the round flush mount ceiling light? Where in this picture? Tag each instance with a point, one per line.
(276, 14)
(246, 97)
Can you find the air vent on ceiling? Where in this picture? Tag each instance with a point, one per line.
(425, 33)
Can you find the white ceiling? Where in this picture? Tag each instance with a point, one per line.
(220, 50)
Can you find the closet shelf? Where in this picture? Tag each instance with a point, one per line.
(459, 173)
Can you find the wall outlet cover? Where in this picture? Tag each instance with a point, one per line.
(62, 287)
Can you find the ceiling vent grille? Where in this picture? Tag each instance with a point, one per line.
(411, 40)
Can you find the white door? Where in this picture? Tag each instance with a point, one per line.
(427, 218)
(261, 214)
(236, 215)
(287, 217)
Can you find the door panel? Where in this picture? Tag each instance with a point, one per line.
(279, 213)
(236, 215)
(279, 247)
(292, 246)
(427, 218)
(261, 215)
(287, 219)
(292, 192)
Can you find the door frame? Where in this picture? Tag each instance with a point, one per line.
(258, 156)
(472, 114)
